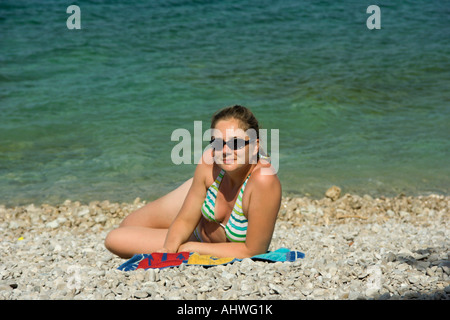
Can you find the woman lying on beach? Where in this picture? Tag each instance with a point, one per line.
(228, 209)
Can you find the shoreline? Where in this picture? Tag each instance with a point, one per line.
(331, 208)
(356, 248)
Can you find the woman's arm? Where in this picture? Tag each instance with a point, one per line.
(190, 212)
(263, 208)
(220, 249)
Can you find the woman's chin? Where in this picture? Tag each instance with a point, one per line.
(229, 165)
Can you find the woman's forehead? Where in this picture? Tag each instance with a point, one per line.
(229, 128)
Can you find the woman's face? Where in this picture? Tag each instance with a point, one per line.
(240, 149)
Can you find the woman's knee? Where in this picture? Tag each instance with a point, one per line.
(109, 239)
(113, 240)
(127, 241)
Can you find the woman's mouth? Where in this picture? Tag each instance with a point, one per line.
(228, 160)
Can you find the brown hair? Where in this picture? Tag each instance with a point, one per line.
(243, 114)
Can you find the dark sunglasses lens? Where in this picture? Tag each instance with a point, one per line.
(234, 144)
(217, 144)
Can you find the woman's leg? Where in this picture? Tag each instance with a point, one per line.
(145, 230)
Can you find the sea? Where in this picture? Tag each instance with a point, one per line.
(349, 95)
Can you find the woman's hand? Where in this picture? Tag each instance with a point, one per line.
(189, 246)
(165, 250)
(185, 247)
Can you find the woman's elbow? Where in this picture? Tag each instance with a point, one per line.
(251, 251)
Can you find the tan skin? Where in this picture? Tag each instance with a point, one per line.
(167, 224)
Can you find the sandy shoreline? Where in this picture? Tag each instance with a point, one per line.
(345, 237)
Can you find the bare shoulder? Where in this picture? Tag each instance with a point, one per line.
(265, 177)
(264, 196)
(264, 185)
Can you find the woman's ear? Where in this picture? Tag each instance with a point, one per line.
(254, 152)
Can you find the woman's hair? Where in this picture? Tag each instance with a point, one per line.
(243, 114)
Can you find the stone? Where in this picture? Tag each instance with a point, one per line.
(333, 193)
(5, 287)
(141, 294)
(151, 275)
(53, 224)
(413, 279)
(371, 292)
(385, 296)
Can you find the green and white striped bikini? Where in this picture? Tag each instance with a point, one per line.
(236, 228)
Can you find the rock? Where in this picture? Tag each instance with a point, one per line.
(5, 287)
(404, 214)
(151, 275)
(53, 224)
(227, 275)
(307, 289)
(83, 212)
(372, 292)
(140, 294)
(385, 296)
(14, 225)
(333, 193)
(390, 257)
(354, 295)
(276, 289)
(413, 279)
(390, 213)
(319, 292)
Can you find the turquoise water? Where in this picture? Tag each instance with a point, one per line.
(88, 114)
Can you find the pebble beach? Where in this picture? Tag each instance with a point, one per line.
(356, 247)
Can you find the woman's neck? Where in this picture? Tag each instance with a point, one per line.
(237, 177)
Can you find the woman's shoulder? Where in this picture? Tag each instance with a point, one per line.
(263, 186)
(265, 176)
(206, 170)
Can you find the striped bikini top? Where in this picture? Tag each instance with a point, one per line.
(236, 228)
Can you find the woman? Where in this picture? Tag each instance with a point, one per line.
(210, 213)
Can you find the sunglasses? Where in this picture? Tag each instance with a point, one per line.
(233, 144)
